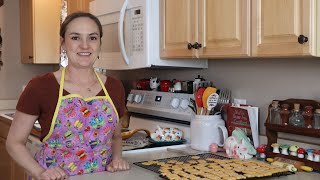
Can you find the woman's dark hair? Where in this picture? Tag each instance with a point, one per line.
(75, 15)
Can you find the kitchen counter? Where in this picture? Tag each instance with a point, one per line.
(138, 173)
(6, 119)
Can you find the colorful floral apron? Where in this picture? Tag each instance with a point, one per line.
(80, 136)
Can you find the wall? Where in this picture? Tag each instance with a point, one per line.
(14, 74)
(257, 80)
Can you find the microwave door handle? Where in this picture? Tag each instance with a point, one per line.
(120, 32)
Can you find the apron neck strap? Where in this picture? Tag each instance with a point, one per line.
(62, 82)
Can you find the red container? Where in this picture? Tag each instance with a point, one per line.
(165, 85)
(143, 84)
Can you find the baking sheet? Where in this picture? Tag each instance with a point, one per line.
(185, 159)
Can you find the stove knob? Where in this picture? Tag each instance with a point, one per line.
(174, 103)
(137, 98)
(184, 104)
(130, 98)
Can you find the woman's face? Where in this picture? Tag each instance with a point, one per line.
(81, 42)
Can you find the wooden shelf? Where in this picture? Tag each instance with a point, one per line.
(273, 129)
(315, 165)
(294, 130)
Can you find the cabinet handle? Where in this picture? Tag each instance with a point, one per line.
(190, 46)
(30, 57)
(302, 39)
(197, 45)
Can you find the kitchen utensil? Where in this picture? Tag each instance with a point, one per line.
(206, 94)
(193, 105)
(198, 98)
(212, 101)
(128, 134)
(206, 130)
(224, 98)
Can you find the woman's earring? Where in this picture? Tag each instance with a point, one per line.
(63, 58)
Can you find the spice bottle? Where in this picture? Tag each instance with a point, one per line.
(296, 118)
(275, 117)
(316, 119)
(284, 113)
(307, 115)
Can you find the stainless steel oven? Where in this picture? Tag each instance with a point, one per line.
(152, 109)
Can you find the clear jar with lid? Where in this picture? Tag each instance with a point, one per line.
(275, 117)
(316, 119)
(296, 118)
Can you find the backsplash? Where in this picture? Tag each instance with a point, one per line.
(259, 80)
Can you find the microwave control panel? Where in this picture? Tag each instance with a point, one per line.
(137, 26)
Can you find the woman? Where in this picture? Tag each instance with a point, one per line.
(78, 111)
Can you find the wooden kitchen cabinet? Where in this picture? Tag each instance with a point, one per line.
(277, 25)
(222, 27)
(178, 28)
(228, 28)
(39, 31)
(9, 170)
(78, 5)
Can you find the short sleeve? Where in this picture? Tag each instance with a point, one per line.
(29, 101)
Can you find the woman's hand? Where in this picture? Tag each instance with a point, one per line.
(54, 173)
(118, 165)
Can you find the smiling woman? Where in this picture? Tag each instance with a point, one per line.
(78, 109)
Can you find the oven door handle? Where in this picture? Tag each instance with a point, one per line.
(120, 32)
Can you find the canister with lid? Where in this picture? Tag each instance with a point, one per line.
(316, 119)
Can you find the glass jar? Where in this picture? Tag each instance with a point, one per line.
(316, 119)
(296, 118)
(275, 117)
(307, 116)
(284, 113)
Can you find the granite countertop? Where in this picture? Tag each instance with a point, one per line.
(139, 173)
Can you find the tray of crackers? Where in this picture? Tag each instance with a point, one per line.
(211, 166)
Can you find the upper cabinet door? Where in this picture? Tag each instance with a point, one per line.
(39, 31)
(277, 25)
(78, 5)
(224, 28)
(177, 28)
